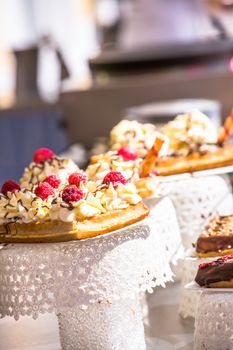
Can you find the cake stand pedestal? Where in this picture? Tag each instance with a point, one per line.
(214, 320)
(93, 285)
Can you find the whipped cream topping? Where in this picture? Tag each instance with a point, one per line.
(37, 172)
(23, 206)
(104, 199)
(111, 161)
(190, 132)
(139, 137)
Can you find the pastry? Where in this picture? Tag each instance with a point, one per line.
(129, 164)
(194, 144)
(217, 273)
(45, 163)
(50, 213)
(133, 134)
(217, 238)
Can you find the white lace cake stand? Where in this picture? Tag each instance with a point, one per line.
(196, 199)
(172, 243)
(214, 320)
(93, 285)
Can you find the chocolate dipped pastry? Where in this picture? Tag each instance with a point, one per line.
(217, 238)
(216, 274)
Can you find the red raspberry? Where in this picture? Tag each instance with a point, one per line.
(10, 186)
(225, 258)
(72, 194)
(115, 177)
(44, 190)
(77, 178)
(206, 264)
(42, 154)
(127, 153)
(53, 180)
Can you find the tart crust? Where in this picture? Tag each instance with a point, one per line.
(195, 162)
(222, 284)
(58, 231)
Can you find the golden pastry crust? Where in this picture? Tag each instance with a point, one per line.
(195, 162)
(214, 254)
(58, 231)
(222, 284)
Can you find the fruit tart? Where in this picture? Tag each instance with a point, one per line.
(194, 145)
(126, 161)
(133, 134)
(216, 238)
(51, 213)
(217, 273)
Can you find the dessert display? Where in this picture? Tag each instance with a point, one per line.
(46, 163)
(216, 238)
(194, 144)
(217, 273)
(65, 206)
(132, 167)
(133, 134)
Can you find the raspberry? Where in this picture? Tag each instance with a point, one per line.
(115, 177)
(225, 258)
(206, 264)
(44, 190)
(127, 153)
(53, 180)
(42, 154)
(77, 178)
(72, 194)
(10, 186)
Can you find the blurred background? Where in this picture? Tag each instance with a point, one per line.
(71, 69)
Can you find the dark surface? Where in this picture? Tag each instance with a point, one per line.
(163, 56)
(22, 131)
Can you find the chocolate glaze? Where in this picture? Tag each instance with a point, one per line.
(214, 243)
(217, 235)
(217, 272)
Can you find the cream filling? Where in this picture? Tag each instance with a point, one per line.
(112, 162)
(23, 206)
(193, 128)
(136, 135)
(37, 172)
(104, 200)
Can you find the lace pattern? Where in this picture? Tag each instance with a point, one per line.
(113, 326)
(214, 321)
(196, 200)
(39, 278)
